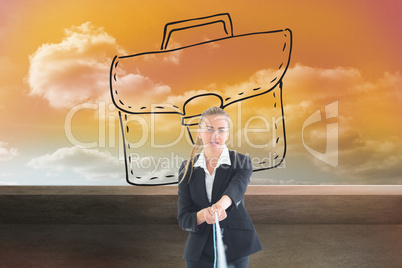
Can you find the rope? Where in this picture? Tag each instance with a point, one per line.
(213, 235)
(219, 249)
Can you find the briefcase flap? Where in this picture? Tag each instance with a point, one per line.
(162, 81)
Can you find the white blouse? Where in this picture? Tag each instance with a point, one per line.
(224, 158)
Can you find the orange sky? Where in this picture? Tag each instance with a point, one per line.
(345, 51)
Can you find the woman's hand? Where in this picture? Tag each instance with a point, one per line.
(204, 215)
(208, 214)
(220, 207)
(221, 211)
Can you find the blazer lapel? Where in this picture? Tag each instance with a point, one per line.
(199, 184)
(221, 175)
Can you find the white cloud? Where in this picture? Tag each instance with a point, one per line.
(90, 164)
(141, 88)
(74, 70)
(7, 154)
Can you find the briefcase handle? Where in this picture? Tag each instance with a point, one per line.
(171, 27)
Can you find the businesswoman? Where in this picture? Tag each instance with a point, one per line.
(215, 181)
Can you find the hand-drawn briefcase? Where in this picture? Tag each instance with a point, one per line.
(201, 63)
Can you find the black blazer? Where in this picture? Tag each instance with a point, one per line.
(239, 234)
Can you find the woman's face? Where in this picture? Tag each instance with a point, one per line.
(214, 132)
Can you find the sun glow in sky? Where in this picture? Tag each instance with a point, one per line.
(55, 61)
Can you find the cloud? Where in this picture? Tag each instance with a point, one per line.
(369, 161)
(349, 86)
(7, 154)
(368, 130)
(76, 69)
(142, 88)
(90, 164)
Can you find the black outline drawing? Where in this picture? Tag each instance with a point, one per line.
(226, 21)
